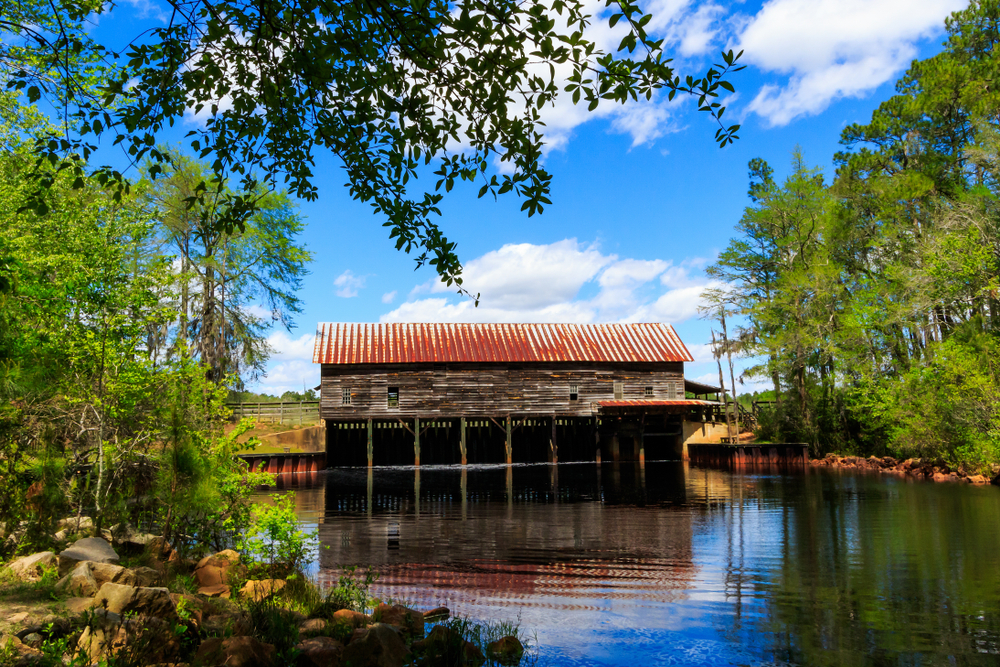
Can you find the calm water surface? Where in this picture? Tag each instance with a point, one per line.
(679, 565)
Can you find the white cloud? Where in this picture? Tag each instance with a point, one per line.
(689, 29)
(543, 283)
(294, 375)
(294, 368)
(348, 284)
(149, 9)
(389, 297)
(527, 276)
(284, 346)
(702, 353)
(834, 48)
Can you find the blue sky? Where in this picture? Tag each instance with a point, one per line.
(642, 198)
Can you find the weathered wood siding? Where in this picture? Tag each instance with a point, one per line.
(489, 390)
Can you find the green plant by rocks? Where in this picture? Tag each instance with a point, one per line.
(353, 591)
(273, 546)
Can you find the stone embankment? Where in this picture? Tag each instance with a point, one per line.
(110, 610)
(930, 470)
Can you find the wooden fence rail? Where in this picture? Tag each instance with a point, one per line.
(279, 412)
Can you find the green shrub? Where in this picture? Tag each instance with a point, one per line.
(351, 592)
(949, 407)
(273, 545)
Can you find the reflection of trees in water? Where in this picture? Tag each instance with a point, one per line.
(849, 569)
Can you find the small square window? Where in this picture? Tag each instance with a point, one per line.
(619, 390)
(345, 397)
(649, 391)
(574, 392)
(393, 397)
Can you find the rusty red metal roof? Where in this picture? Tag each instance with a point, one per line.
(340, 343)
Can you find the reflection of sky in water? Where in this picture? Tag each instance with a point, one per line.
(670, 565)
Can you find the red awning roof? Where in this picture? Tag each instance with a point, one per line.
(340, 343)
(650, 404)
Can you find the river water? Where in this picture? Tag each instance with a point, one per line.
(673, 564)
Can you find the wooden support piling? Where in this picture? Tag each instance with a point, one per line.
(509, 443)
(462, 443)
(553, 447)
(371, 447)
(416, 441)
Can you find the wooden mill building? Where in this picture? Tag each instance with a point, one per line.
(406, 394)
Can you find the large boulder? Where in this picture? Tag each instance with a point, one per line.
(258, 590)
(80, 582)
(30, 567)
(94, 549)
(234, 652)
(410, 621)
(319, 652)
(378, 645)
(311, 627)
(116, 574)
(73, 524)
(220, 591)
(214, 570)
(88, 577)
(350, 618)
(150, 640)
(119, 598)
(437, 614)
(506, 650)
(19, 652)
(445, 646)
(98, 643)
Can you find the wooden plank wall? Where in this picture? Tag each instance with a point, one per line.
(489, 390)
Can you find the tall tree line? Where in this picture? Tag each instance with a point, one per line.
(871, 301)
(124, 324)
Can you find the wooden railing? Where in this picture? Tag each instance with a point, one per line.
(280, 412)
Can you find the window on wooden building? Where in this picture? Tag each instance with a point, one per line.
(345, 397)
(574, 392)
(649, 391)
(393, 397)
(619, 390)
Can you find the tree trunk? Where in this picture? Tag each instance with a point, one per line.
(732, 378)
(722, 383)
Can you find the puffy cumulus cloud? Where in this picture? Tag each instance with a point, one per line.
(348, 284)
(834, 48)
(284, 346)
(527, 276)
(442, 310)
(543, 283)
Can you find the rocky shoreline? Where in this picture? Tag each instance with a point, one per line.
(101, 610)
(935, 471)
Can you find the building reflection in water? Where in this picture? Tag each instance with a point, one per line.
(510, 532)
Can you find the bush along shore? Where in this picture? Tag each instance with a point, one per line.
(87, 605)
(934, 470)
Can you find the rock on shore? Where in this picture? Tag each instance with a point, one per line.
(935, 471)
